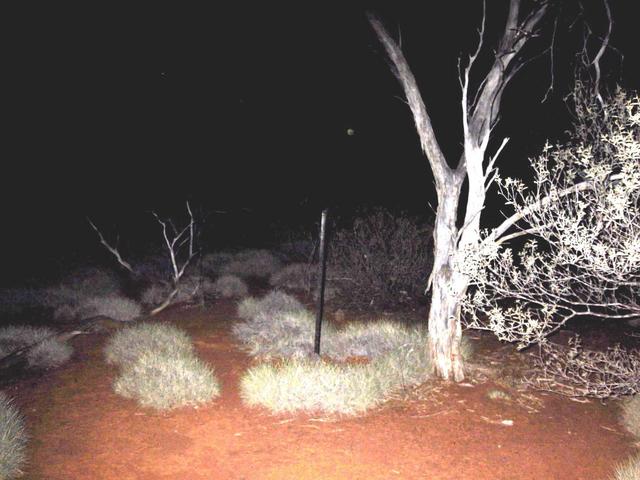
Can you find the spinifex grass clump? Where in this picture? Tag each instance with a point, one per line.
(295, 276)
(252, 263)
(117, 307)
(165, 381)
(228, 286)
(159, 367)
(129, 343)
(273, 303)
(630, 470)
(46, 352)
(13, 440)
(277, 326)
(314, 385)
(631, 415)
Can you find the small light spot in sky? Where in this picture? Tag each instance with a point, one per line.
(351, 132)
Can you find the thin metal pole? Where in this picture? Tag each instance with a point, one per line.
(321, 280)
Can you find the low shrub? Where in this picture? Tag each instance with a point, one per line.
(13, 440)
(631, 415)
(166, 380)
(381, 260)
(228, 286)
(126, 345)
(213, 263)
(630, 470)
(47, 351)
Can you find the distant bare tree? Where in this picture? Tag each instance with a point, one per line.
(181, 248)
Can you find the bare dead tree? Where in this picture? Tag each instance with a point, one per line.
(180, 246)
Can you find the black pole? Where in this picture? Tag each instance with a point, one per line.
(321, 280)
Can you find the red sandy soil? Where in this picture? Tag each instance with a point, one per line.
(80, 429)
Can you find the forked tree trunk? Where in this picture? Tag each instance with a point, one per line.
(452, 235)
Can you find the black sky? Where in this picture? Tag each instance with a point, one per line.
(117, 110)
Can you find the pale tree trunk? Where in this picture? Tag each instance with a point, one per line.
(452, 235)
(444, 328)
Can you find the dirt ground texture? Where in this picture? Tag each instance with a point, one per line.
(80, 429)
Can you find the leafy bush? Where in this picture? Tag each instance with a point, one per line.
(630, 470)
(47, 352)
(166, 380)
(631, 415)
(381, 260)
(229, 286)
(126, 345)
(114, 306)
(13, 439)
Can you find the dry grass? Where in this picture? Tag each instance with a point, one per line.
(273, 303)
(630, 470)
(165, 380)
(126, 345)
(229, 286)
(117, 307)
(13, 440)
(252, 263)
(47, 351)
(317, 386)
(631, 415)
(295, 276)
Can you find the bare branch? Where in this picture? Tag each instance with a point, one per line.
(114, 251)
(428, 141)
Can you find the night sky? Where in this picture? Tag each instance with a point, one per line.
(113, 112)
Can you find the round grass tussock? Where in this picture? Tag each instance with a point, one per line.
(126, 345)
(368, 339)
(310, 386)
(166, 381)
(295, 276)
(228, 286)
(631, 415)
(49, 353)
(630, 470)
(285, 334)
(252, 263)
(13, 440)
(316, 386)
(117, 307)
(46, 352)
(272, 303)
